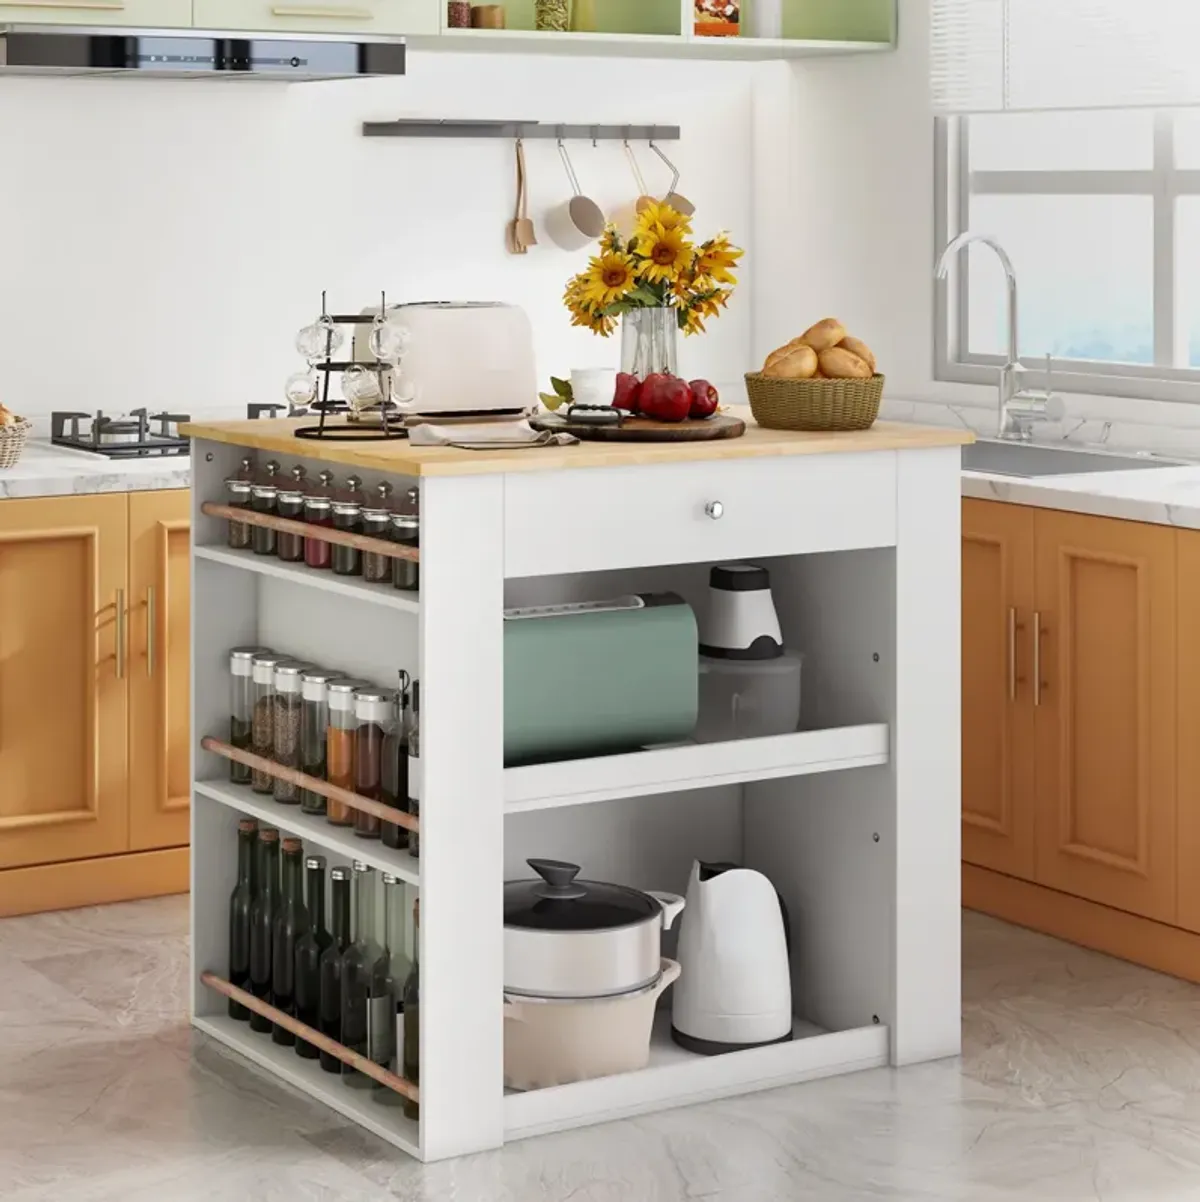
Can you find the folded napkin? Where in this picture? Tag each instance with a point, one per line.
(487, 436)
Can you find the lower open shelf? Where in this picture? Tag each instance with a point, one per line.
(675, 1077)
(388, 1122)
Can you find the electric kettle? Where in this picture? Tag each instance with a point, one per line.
(735, 990)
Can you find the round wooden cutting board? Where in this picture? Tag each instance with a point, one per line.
(642, 429)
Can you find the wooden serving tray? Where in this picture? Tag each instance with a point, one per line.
(643, 429)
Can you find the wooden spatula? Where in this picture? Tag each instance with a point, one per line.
(524, 235)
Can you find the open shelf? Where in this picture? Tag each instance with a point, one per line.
(388, 1122)
(325, 580)
(692, 766)
(312, 828)
(675, 1077)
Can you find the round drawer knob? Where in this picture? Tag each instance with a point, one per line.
(715, 510)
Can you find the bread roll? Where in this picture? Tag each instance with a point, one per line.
(856, 346)
(839, 364)
(781, 351)
(824, 335)
(799, 363)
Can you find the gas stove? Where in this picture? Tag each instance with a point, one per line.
(133, 435)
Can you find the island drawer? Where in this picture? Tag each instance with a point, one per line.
(594, 519)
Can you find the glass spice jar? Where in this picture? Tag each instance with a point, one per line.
(406, 529)
(241, 706)
(238, 497)
(290, 504)
(262, 732)
(339, 747)
(314, 723)
(458, 14)
(318, 511)
(377, 568)
(373, 715)
(263, 499)
(286, 748)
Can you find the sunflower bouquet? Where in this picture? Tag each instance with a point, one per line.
(658, 267)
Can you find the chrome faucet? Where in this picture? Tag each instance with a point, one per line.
(1020, 409)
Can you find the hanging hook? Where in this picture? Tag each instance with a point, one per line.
(674, 170)
(639, 179)
(566, 158)
(594, 133)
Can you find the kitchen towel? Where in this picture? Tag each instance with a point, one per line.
(490, 436)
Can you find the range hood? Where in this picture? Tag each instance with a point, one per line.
(194, 53)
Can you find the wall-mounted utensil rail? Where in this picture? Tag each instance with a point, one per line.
(302, 1031)
(353, 801)
(415, 127)
(343, 538)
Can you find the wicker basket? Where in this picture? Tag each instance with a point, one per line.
(814, 404)
(12, 442)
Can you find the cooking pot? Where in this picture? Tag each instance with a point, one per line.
(568, 938)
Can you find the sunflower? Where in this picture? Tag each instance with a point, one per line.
(716, 258)
(691, 321)
(658, 215)
(665, 253)
(608, 278)
(610, 241)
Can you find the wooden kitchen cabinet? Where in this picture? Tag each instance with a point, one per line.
(997, 717)
(322, 16)
(1187, 661)
(149, 14)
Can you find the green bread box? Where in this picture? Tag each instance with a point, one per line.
(600, 677)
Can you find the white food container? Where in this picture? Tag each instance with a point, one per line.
(748, 698)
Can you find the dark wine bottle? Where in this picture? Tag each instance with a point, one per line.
(414, 768)
(262, 921)
(331, 963)
(291, 924)
(410, 1061)
(240, 901)
(366, 999)
(308, 954)
(394, 773)
(395, 944)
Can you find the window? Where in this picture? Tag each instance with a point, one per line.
(1100, 214)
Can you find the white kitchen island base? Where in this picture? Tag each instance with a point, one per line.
(855, 818)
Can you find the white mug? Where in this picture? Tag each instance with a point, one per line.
(593, 385)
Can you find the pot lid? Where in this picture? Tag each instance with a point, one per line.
(558, 901)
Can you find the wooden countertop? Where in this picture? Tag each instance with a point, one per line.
(402, 459)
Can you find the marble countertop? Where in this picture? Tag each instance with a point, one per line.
(45, 470)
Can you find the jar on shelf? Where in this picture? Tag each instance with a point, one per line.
(241, 706)
(373, 713)
(237, 496)
(551, 15)
(264, 498)
(290, 504)
(376, 517)
(406, 529)
(458, 14)
(286, 749)
(318, 511)
(262, 733)
(314, 723)
(339, 747)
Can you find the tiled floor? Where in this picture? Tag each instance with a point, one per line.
(1081, 1080)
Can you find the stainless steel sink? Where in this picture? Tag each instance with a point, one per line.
(1021, 459)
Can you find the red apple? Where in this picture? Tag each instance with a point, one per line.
(666, 398)
(629, 392)
(705, 399)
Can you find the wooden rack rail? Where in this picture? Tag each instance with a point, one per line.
(324, 534)
(301, 1030)
(330, 792)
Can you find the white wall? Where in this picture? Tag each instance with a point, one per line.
(163, 241)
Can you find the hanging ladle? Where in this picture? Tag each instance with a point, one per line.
(676, 200)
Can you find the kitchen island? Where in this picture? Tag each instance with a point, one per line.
(855, 817)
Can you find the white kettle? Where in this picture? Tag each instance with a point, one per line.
(735, 990)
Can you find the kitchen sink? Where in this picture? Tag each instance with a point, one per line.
(1021, 459)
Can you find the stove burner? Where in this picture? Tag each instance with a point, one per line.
(131, 436)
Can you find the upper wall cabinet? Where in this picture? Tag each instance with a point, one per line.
(150, 14)
(321, 16)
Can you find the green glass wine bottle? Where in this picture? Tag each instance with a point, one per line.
(365, 996)
(240, 901)
(395, 949)
(411, 1057)
(291, 924)
(331, 963)
(309, 951)
(262, 922)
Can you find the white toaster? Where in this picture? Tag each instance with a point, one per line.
(463, 357)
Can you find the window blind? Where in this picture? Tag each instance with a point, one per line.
(998, 55)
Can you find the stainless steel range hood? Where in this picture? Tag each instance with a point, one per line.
(194, 53)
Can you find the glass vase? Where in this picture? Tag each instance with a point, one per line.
(648, 341)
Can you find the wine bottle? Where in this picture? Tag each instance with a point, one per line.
(394, 950)
(364, 982)
(262, 921)
(411, 1057)
(331, 963)
(240, 901)
(309, 950)
(291, 924)
(414, 768)
(394, 775)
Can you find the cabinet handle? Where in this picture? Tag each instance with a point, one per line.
(1012, 653)
(151, 631)
(120, 655)
(103, 6)
(715, 510)
(322, 12)
(1037, 658)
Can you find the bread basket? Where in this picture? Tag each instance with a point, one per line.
(814, 404)
(12, 442)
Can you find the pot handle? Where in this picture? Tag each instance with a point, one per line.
(672, 905)
(670, 974)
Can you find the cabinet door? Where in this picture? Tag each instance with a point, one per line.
(997, 688)
(321, 16)
(62, 696)
(150, 14)
(1106, 718)
(1187, 859)
(159, 671)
